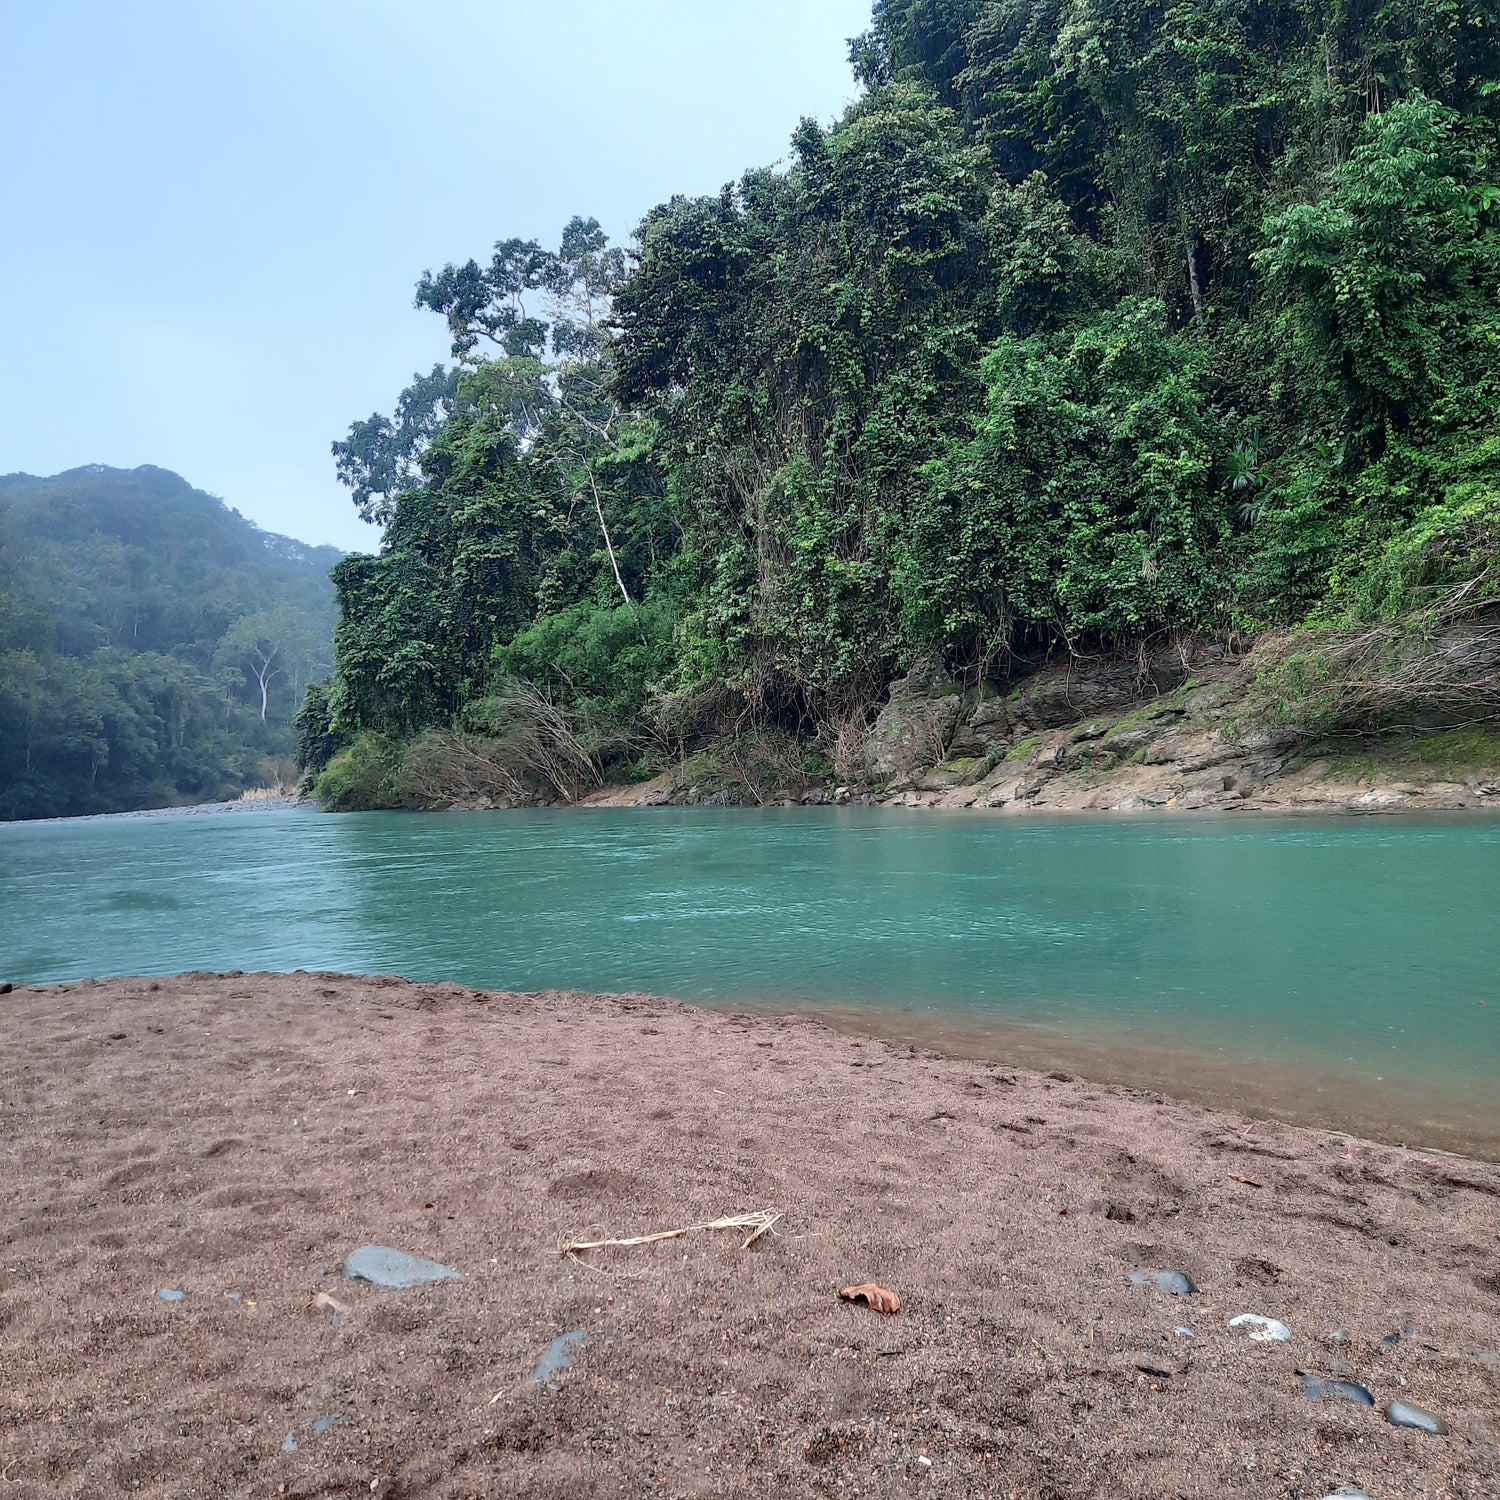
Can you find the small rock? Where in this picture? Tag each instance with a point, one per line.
(1173, 1283)
(1186, 1333)
(289, 1444)
(322, 1424)
(5, 989)
(1403, 1414)
(559, 1355)
(1262, 1330)
(235, 1297)
(170, 1294)
(1315, 1387)
(382, 1266)
(1488, 1357)
(1347, 1492)
(1339, 1336)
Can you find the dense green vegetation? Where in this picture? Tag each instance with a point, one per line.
(154, 644)
(1086, 323)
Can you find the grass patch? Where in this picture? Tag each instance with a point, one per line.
(1453, 752)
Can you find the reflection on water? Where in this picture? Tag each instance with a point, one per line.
(1345, 967)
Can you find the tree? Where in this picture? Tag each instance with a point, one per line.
(380, 458)
(268, 646)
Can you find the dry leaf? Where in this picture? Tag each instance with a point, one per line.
(878, 1297)
(337, 1308)
(1248, 1181)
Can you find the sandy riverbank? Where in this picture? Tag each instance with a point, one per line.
(243, 1133)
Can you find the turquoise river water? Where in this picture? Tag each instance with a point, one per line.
(1339, 970)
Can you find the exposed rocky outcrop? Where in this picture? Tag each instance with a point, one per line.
(1181, 729)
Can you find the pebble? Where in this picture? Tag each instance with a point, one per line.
(1348, 1492)
(235, 1297)
(5, 989)
(559, 1355)
(1262, 1330)
(171, 1294)
(1314, 1387)
(1173, 1283)
(382, 1266)
(1186, 1333)
(289, 1444)
(1403, 1414)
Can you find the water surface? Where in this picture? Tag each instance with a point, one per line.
(1337, 969)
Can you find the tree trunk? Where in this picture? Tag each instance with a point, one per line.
(1193, 287)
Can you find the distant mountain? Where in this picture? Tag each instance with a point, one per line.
(154, 644)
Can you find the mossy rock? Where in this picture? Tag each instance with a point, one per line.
(961, 771)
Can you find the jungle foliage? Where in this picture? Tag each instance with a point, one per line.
(1089, 320)
(154, 644)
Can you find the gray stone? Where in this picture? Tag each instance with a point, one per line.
(1404, 1414)
(1315, 1387)
(289, 1444)
(171, 1294)
(382, 1266)
(989, 723)
(1173, 1283)
(914, 729)
(559, 1355)
(1348, 1492)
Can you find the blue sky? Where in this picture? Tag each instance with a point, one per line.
(216, 211)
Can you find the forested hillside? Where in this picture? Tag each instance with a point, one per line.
(154, 644)
(1088, 326)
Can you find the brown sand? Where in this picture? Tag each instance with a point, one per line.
(201, 1134)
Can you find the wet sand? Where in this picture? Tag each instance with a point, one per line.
(241, 1134)
(1459, 1114)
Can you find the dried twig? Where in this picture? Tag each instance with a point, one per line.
(758, 1223)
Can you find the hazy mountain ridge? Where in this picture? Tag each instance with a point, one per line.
(154, 642)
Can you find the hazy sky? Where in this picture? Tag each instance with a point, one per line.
(216, 210)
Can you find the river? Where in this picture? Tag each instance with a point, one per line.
(1344, 971)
